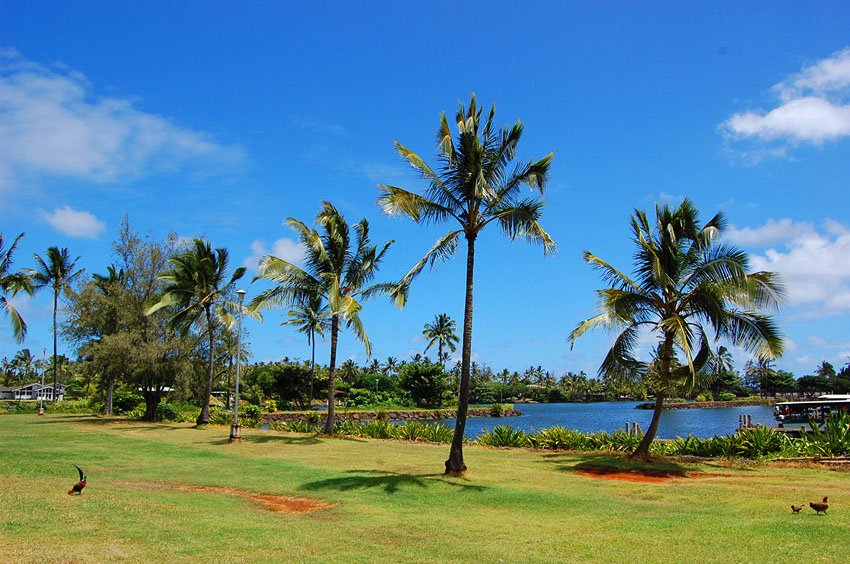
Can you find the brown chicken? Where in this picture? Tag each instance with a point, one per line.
(796, 508)
(78, 487)
(820, 507)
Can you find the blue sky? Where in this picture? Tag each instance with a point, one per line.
(221, 119)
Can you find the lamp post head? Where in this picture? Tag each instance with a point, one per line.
(241, 293)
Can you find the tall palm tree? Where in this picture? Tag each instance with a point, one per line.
(391, 366)
(442, 331)
(310, 317)
(11, 283)
(472, 186)
(684, 282)
(57, 272)
(24, 364)
(760, 372)
(720, 362)
(337, 269)
(195, 286)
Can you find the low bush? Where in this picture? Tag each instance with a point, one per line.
(832, 440)
(125, 402)
(295, 426)
(504, 436)
(499, 409)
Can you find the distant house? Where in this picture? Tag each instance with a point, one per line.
(33, 392)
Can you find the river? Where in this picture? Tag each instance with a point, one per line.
(611, 416)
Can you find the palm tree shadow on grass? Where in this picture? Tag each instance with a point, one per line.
(275, 439)
(671, 467)
(611, 463)
(390, 482)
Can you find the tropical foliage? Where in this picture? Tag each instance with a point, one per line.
(685, 284)
(57, 272)
(10, 284)
(336, 276)
(442, 332)
(472, 187)
(194, 291)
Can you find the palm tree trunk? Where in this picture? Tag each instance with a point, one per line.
(204, 416)
(55, 364)
(107, 408)
(454, 464)
(312, 369)
(642, 451)
(329, 422)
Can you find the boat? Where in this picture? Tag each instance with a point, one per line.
(795, 416)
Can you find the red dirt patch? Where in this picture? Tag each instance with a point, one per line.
(270, 502)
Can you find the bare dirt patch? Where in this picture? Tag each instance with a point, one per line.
(645, 477)
(270, 502)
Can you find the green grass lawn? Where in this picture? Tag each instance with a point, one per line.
(388, 502)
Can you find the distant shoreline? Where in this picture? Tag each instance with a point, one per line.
(707, 404)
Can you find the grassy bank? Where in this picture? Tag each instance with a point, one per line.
(172, 492)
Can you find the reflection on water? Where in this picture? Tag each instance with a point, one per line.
(611, 416)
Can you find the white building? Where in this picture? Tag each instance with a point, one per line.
(33, 392)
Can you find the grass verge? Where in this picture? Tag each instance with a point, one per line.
(172, 492)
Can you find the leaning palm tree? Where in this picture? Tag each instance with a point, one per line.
(310, 317)
(684, 282)
(474, 187)
(195, 286)
(443, 332)
(338, 270)
(57, 272)
(11, 283)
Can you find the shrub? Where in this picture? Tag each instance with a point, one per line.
(426, 383)
(561, 438)
(832, 440)
(759, 441)
(125, 402)
(220, 416)
(504, 436)
(438, 433)
(411, 431)
(295, 426)
(499, 409)
(726, 396)
(167, 412)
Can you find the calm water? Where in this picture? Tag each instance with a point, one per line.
(610, 416)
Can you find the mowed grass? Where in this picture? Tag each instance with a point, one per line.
(389, 502)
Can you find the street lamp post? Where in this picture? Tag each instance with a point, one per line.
(235, 434)
(41, 389)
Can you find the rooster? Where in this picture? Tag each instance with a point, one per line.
(820, 507)
(796, 508)
(78, 487)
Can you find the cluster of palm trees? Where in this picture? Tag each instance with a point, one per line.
(687, 290)
(56, 270)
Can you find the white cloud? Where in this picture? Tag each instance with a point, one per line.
(827, 75)
(771, 232)
(52, 123)
(815, 268)
(814, 108)
(809, 119)
(74, 223)
(287, 249)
